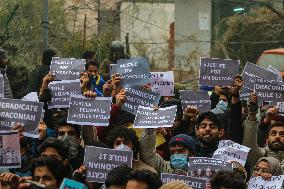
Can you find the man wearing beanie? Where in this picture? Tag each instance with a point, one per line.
(181, 147)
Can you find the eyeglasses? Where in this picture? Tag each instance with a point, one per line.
(262, 170)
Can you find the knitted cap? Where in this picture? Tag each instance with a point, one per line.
(117, 45)
(184, 140)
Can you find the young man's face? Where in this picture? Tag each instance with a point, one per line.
(208, 132)
(51, 153)
(66, 130)
(276, 139)
(42, 175)
(92, 70)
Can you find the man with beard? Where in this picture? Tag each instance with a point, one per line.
(208, 133)
(274, 142)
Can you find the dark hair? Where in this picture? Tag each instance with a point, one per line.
(276, 124)
(146, 176)
(227, 179)
(209, 115)
(55, 166)
(128, 135)
(3, 54)
(60, 119)
(88, 54)
(238, 77)
(47, 56)
(118, 176)
(57, 144)
(91, 63)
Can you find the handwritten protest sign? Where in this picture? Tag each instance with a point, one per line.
(136, 96)
(259, 183)
(269, 91)
(32, 96)
(89, 111)
(27, 113)
(274, 70)
(200, 99)
(251, 71)
(206, 168)
(10, 155)
(1, 86)
(229, 150)
(61, 91)
(217, 72)
(245, 93)
(100, 161)
(113, 68)
(71, 184)
(134, 71)
(195, 183)
(67, 68)
(146, 117)
(163, 83)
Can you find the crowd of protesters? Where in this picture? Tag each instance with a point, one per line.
(58, 153)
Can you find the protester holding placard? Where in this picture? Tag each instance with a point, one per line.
(274, 141)
(181, 147)
(91, 79)
(122, 138)
(267, 167)
(116, 52)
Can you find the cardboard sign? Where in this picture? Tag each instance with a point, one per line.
(89, 111)
(276, 182)
(1, 86)
(245, 93)
(32, 96)
(200, 99)
(217, 72)
(229, 150)
(195, 183)
(113, 68)
(27, 113)
(163, 83)
(206, 168)
(100, 161)
(251, 71)
(274, 70)
(146, 117)
(61, 91)
(10, 155)
(269, 91)
(133, 71)
(67, 68)
(136, 96)
(71, 184)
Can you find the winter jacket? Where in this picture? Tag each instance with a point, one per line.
(250, 140)
(149, 155)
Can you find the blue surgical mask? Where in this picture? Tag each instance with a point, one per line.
(222, 105)
(179, 161)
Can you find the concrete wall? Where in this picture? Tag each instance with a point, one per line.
(148, 25)
(193, 33)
